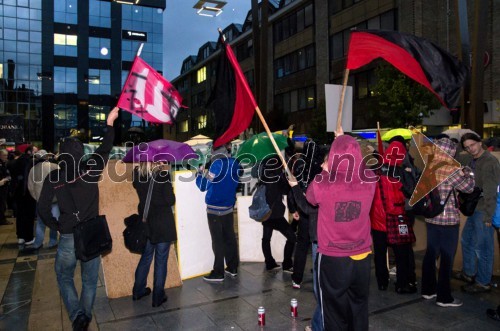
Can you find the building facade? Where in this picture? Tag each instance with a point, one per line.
(63, 63)
(307, 47)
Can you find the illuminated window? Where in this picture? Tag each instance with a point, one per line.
(202, 121)
(66, 40)
(201, 75)
(183, 126)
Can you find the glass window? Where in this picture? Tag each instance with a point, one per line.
(66, 11)
(300, 20)
(374, 23)
(201, 75)
(309, 15)
(293, 101)
(183, 126)
(337, 46)
(387, 21)
(99, 48)
(65, 118)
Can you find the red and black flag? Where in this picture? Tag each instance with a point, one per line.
(231, 101)
(418, 58)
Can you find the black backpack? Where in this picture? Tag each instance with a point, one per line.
(259, 210)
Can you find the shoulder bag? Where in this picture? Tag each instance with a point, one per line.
(92, 237)
(135, 234)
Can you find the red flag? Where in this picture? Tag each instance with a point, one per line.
(148, 95)
(418, 58)
(231, 100)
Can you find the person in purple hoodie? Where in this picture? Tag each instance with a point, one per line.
(343, 193)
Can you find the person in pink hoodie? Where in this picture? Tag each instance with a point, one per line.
(343, 193)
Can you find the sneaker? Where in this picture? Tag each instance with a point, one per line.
(429, 296)
(275, 267)
(406, 290)
(463, 277)
(289, 270)
(392, 271)
(213, 277)
(231, 272)
(493, 313)
(455, 303)
(295, 285)
(20, 241)
(476, 288)
(29, 242)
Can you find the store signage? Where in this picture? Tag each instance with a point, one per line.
(134, 35)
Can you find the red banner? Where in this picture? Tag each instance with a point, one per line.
(148, 95)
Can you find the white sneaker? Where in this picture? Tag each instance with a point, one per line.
(295, 285)
(30, 242)
(20, 241)
(392, 271)
(455, 303)
(429, 296)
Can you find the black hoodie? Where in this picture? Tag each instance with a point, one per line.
(75, 184)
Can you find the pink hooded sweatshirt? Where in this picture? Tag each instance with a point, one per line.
(344, 196)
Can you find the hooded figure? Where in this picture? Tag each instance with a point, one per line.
(76, 187)
(344, 193)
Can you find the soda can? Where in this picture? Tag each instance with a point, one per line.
(293, 308)
(262, 316)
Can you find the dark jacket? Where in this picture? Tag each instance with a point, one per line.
(307, 210)
(160, 220)
(75, 184)
(272, 176)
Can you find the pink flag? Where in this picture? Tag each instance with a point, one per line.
(148, 95)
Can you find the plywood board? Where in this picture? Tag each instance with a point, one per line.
(117, 200)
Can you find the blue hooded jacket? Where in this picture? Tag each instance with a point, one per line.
(220, 183)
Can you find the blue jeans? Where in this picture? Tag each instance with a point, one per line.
(478, 248)
(160, 251)
(65, 271)
(317, 320)
(40, 229)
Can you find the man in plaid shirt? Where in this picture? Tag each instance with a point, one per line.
(443, 230)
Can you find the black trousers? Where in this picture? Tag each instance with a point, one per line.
(301, 250)
(344, 285)
(441, 241)
(25, 218)
(281, 225)
(4, 192)
(224, 243)
(405, 265)
(380, 257)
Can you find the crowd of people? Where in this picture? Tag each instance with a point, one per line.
(343, 206)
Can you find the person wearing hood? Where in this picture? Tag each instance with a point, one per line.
(442, 230)
(75, 185)
(391, 185)
(272, 176)
(220, 182)
(343, 193)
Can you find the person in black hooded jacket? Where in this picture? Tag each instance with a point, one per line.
(77, 192)
(272, 176)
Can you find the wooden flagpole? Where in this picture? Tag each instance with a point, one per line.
(341, 103)
(266, 127)
(276, 148)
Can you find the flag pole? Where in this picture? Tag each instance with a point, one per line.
(140, 49)
(266, 127)
(342, 97)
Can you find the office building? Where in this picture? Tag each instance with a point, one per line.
(63, 63)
